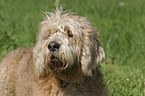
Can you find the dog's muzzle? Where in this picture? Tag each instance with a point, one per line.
(57, 63)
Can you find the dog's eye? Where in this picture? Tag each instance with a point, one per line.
(69, 33)
(46, 34)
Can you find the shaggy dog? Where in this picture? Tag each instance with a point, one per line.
(64, 61)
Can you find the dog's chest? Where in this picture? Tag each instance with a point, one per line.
(49, 87)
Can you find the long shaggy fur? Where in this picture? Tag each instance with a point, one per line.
(72, 70)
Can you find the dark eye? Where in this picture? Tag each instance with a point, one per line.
(69, 33)
(45, 35)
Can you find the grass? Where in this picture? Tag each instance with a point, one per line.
(122, 30)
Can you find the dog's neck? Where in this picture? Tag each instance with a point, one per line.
(45, 86)
(65, 82)
(59, 82)
(71, 75)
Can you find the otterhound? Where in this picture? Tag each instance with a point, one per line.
(64, 61)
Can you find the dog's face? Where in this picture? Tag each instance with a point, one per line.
(61, 48)
(65, 40)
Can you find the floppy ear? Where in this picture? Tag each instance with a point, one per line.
(39, 53)
(38, 58)
(93, 53)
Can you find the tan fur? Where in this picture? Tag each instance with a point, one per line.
(31, 71)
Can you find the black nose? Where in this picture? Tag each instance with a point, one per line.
(53, 46)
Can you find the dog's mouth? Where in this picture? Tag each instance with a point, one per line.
(58, 64)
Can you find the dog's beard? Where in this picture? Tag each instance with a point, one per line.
(57, 62)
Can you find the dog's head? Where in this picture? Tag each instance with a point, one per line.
(65, 40)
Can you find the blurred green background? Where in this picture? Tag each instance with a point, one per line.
(121, 24)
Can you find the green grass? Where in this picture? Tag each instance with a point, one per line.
(122, 30)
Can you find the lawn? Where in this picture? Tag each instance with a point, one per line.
(121, 24)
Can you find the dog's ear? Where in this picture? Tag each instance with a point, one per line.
(39, 54)
(39, 59)
(93, 53)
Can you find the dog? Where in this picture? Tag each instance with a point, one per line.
(65, 61)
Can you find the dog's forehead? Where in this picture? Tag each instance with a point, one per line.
(78, 26)
(61, 18)
(63, 27)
